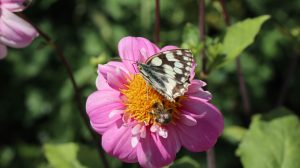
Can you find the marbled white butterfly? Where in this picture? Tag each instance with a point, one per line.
(168, 72)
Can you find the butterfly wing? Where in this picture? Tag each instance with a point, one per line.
(168, 72)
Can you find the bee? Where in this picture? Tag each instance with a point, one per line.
(161, 114)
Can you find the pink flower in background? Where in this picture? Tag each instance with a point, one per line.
(14, 31)
(119, 110)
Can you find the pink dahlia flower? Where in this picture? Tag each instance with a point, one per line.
(119, 110)
(14, 31)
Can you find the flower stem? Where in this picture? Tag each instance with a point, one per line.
(241, 79)
(157, 22)
(211, 158)
(66, 64)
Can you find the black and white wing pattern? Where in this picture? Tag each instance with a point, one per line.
(168, 72)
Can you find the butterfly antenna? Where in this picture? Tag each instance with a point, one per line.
(115, 59)
(134, 62)
(122, 59)
(134, 67)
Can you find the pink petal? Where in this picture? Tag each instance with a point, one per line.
(12, 5)
(117, 142)
(143, 132)
(163, 133)
(136, 129)
(195, 90)
(3, 51)
(192, 71)
(188, 120)
(112, 74)
(135, 141)
(169, 47)
(135, 49)
(154, 128)
(156, 151)
(115, 113)
(99, 107)
(14, 31)
(209, 127)
(101, 83)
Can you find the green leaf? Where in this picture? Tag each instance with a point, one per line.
(62, 155)
(185, 162)
(273, 142)
(240, 35)
(234, 134)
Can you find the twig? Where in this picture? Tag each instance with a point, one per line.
(210, 156)
(225, 13)
(63, 59)
(157, 22)
(289, 76)
(243, 89)
(66, 64)
(241, 79)
(202, 37)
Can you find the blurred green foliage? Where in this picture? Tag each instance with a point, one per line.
(234, 133)
(272, 143)
(184, 162)
(37, 101)
(63, 155)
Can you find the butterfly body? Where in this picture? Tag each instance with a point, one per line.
(168, 72)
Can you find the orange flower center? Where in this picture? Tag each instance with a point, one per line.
(146, 105)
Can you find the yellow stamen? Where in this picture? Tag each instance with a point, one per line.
(140, 100)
